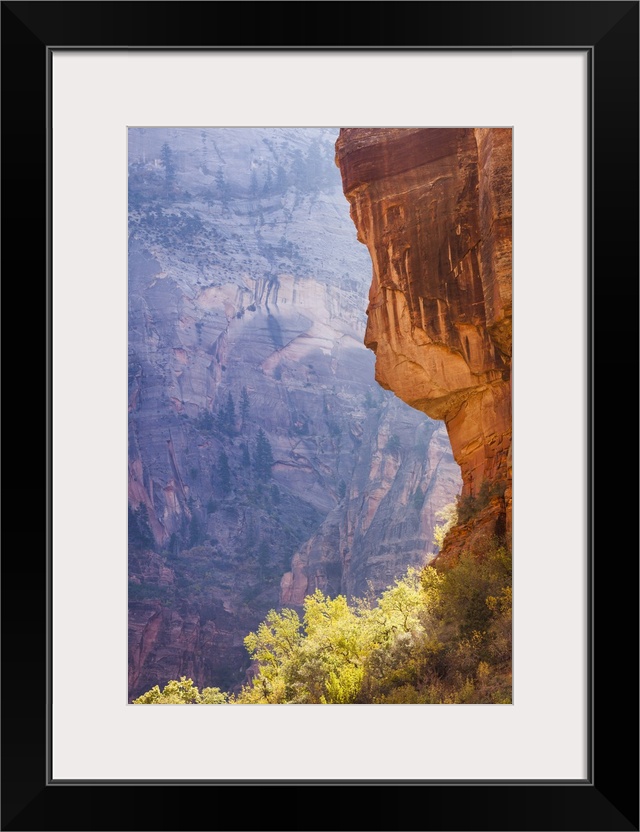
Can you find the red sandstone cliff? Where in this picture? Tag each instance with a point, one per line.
(433, 206)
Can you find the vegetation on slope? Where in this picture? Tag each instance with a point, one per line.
(440, 635)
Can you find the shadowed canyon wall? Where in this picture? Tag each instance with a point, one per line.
(433, 206)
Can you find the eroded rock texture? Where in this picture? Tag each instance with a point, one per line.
(433, 206)
(247, 285)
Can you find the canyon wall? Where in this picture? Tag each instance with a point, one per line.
(247, 285)
(433, 206)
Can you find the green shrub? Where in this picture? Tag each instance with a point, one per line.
(440, 635)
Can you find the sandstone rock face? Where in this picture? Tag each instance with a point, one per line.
(433, 206)
(246, 278)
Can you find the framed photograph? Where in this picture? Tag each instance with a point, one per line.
(96, 93)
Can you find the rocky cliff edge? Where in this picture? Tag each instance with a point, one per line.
(434, 208)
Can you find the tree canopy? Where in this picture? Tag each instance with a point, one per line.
(436, 635)
(182, 692)
(263, 458)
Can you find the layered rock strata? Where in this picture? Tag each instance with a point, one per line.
(434, 206)
(247, 291)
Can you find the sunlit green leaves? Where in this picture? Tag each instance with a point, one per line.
(435, 636)
(449, 516)
(182, 692)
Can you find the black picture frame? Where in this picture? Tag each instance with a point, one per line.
(608, 799)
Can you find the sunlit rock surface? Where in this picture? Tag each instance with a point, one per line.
(433, 207)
